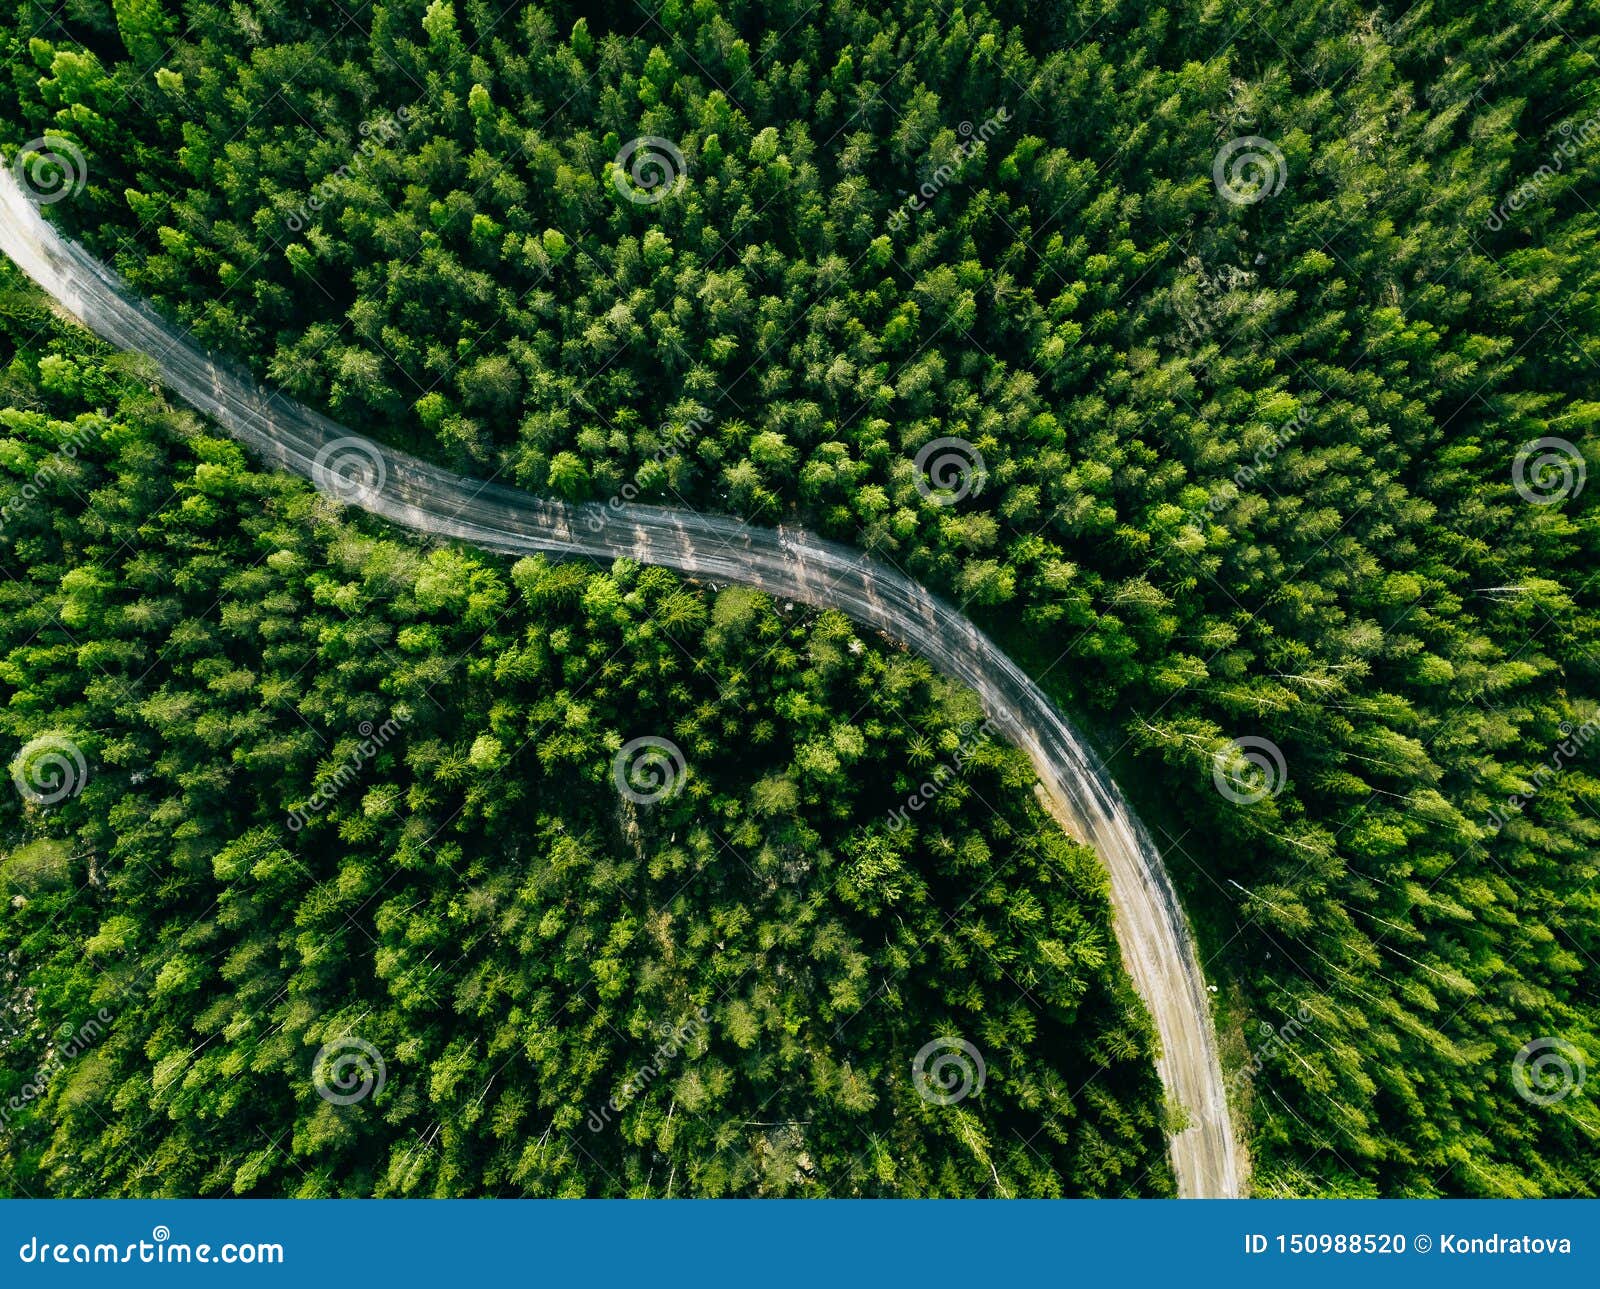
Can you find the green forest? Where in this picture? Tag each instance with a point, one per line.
(1257, 348)
(478, 902)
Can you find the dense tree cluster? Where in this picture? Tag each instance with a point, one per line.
(1249, 456)
(338, 789)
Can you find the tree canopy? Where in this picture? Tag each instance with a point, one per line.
(1258, 345)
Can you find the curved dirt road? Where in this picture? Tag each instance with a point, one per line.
(1155, 940)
